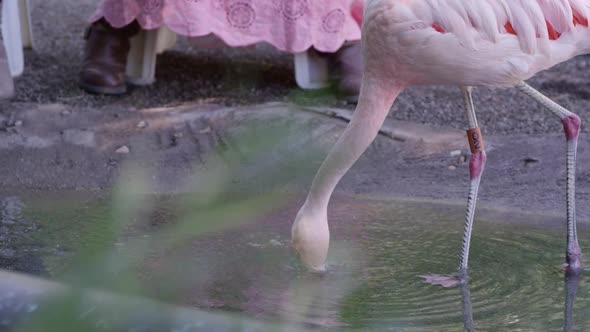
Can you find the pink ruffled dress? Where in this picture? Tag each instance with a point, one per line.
(289, 25)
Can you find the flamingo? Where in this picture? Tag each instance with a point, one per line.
(466, 43)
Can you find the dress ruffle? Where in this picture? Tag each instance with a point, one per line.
(289, 25)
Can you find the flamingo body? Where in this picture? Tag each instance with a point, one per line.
(494, 43)
(475, 43)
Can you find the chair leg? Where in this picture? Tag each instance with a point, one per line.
(311, 70)
(25, 24)
(6, 83)
(11, 34)
(141, 62)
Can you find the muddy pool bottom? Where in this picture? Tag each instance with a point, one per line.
(379, 246)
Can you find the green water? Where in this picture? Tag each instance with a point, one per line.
(378, 247)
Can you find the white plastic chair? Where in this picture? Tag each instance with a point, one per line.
(145, 46)
(311, 70)
(16, 32)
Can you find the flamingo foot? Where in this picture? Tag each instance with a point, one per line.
(444, 280)
(573, 260)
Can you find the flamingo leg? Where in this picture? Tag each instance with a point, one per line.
(571, 125)
(476, 166)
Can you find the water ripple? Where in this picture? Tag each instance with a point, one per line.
(516, 279)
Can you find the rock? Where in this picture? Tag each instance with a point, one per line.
(142, 124)
(18, 123)
(81, 137)
(123, 150)
(205, 130)
(455, 153)
(65, 113)
(452, 167)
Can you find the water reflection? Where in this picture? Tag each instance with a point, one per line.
(17, 253)
(467, 308)
(571, 283)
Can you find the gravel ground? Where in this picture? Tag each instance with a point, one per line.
(232, 76)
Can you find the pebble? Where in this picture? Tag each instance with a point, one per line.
(142, 124)
(455, 153)
(123, 150)
(275, 243)
(452, 167)
(65, 113)
(205, 130)
(18, 123)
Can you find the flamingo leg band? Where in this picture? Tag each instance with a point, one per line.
(475, 140)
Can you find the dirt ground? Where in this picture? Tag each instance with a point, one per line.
(48, 148)
(54, 137)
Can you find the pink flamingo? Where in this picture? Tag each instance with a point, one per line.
(494, 43)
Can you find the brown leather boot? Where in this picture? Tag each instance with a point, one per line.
(103, 70)
(6, 83)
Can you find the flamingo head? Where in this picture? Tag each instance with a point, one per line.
(310, 238)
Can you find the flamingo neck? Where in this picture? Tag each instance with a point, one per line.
(374, 103)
